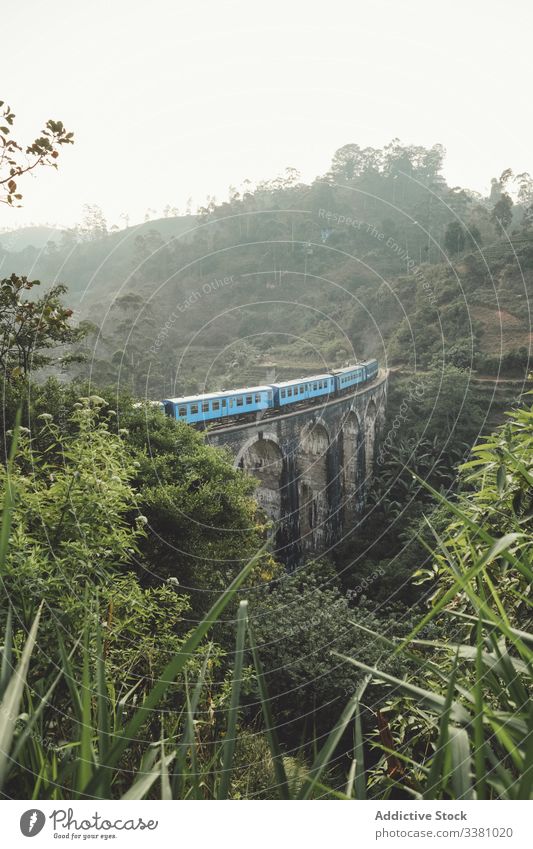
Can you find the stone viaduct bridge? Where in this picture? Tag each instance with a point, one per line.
(313, 466)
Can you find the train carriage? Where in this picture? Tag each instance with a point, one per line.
(371, 369)
(304, 389)
(349, 376)
(212, 406)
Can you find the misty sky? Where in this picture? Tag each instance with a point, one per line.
(176, 99)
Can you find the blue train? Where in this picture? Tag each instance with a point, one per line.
(253, 400)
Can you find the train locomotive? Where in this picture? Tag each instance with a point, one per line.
(252, 401)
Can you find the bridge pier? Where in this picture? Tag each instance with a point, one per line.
(313, 466)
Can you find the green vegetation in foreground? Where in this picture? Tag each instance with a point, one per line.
(456, 724)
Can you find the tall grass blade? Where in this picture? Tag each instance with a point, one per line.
(461, 762)
(142, 785)
(166, 792)
(525, 787)
(360, 780)
(479, 736)
(228, 746)
(188, 738)
(70, 678)
(326, 752)
(85, 760)
(9, 707)
(436, 780)
(102, 709)
(270, 730)
(9, 493)
(7, 653)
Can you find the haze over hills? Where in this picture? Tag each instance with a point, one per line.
(379, 257)
(36, 236)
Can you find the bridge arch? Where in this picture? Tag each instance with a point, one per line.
(371, 414)
(313, 479)
(262, 457)
(257, 437)
(352, 436)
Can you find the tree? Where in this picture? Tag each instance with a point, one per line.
(454, 238)
(495, 190)
(346, 162)
(29, 328)
(503, 211)
(94, 225)
(15, 161)
(525, 197)
(300, 623)
(473, 236)
(200, 511)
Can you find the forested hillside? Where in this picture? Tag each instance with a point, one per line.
(378, 257)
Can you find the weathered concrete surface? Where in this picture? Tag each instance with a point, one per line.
(313, 466)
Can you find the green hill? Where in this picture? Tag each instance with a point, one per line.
(379, 257)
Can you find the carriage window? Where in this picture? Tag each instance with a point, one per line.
(315, 386)
(248, 399)
(205, 407)
(301, 390)
(216, 405)
(283, 393)
(289, 392)
(258, 398)
(182, 411)
(194, 408)
(239, 402)
(224, 402)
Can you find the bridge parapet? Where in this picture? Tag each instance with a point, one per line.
(313, 466)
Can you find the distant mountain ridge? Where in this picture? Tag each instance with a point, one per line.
(36, 236)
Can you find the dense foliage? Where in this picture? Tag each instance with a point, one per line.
(476, 680)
